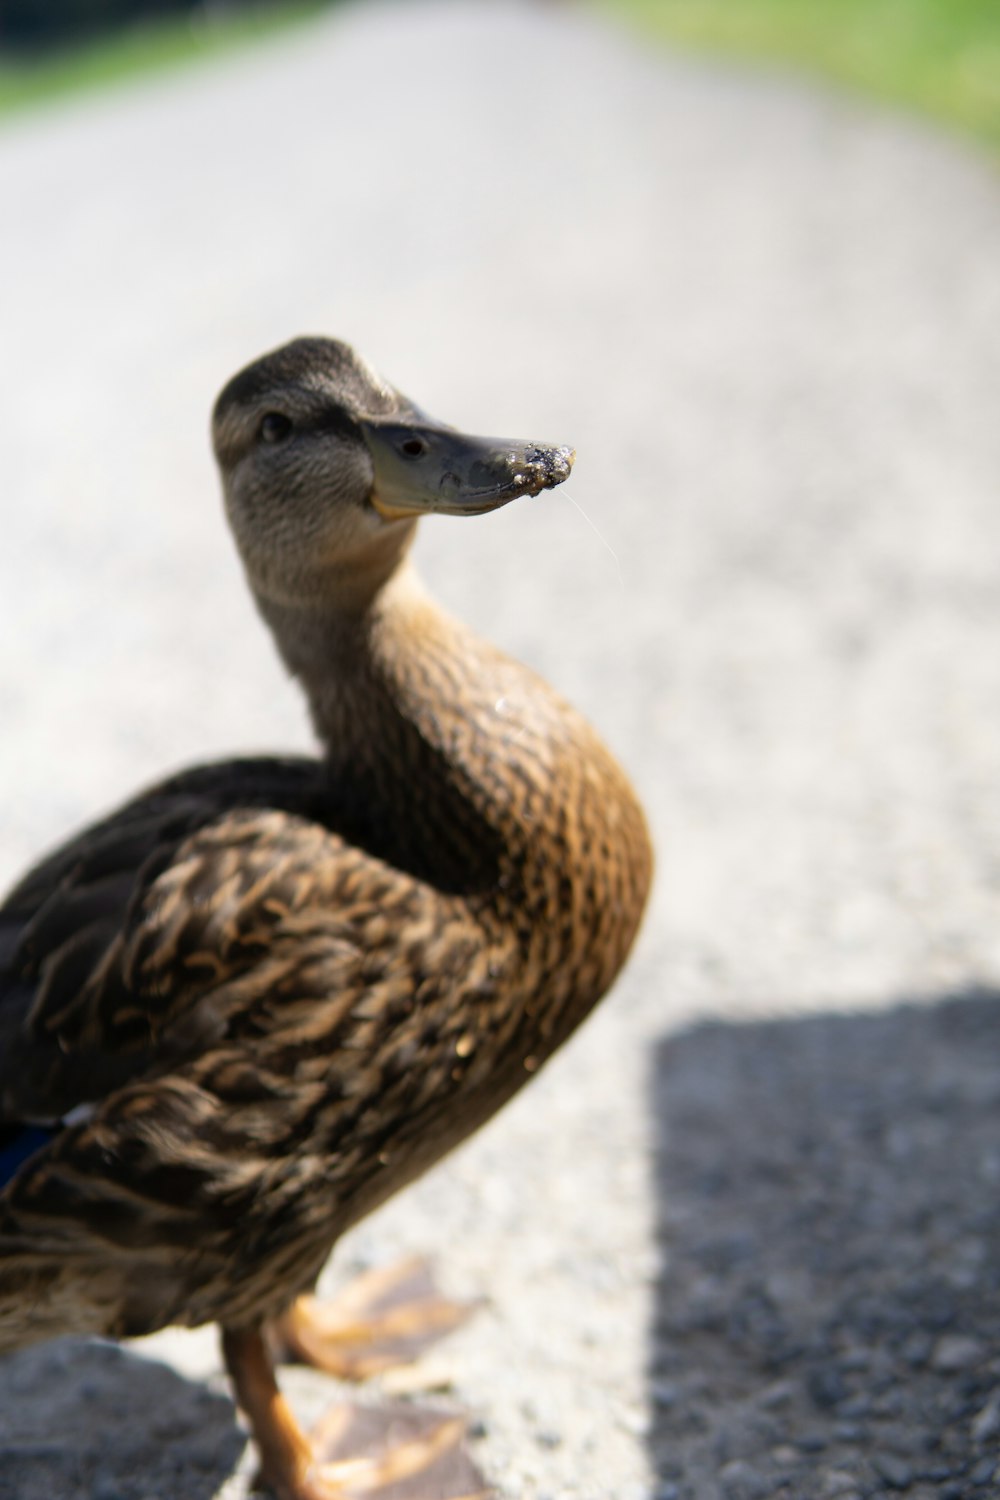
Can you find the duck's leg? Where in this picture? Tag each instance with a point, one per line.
(386, 1317)
(287, 1461)
(399, 1453)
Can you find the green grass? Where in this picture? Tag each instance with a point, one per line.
(147, 48)
(939, 56)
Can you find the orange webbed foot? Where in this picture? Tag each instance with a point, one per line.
(384, 1318)
(394, 1452)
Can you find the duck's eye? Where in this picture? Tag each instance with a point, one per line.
(274, 427)
(414, 447)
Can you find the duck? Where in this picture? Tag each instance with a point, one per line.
(264, 995)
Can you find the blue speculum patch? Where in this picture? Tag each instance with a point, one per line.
(17, 1146)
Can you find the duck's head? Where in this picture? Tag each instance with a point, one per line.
(326, 469)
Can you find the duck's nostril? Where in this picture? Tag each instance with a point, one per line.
(414, 447)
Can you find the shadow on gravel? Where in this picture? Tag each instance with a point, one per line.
(828, 1314)
(91, 1421)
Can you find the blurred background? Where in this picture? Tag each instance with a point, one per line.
(942, 56)
(741, 1239)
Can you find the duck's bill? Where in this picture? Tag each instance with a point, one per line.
(421, 467)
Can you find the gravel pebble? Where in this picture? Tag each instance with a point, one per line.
(741, 1481)
(827, 1387)
(896, 1472)
(984, 1472)
(837, 1482)
(955, 1352)
(986, 1424)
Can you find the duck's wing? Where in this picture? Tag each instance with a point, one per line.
(175, 986)
(111, 948)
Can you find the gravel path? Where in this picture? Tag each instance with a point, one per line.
(750, 1259)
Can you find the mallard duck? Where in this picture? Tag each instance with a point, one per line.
(244, 1009)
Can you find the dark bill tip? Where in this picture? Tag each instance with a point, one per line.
(423, 468)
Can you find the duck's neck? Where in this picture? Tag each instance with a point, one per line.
(349, 657)
(401, 697)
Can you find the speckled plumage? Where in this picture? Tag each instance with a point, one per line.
(282, 988)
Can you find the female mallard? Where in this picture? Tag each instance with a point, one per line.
(246, 1008)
